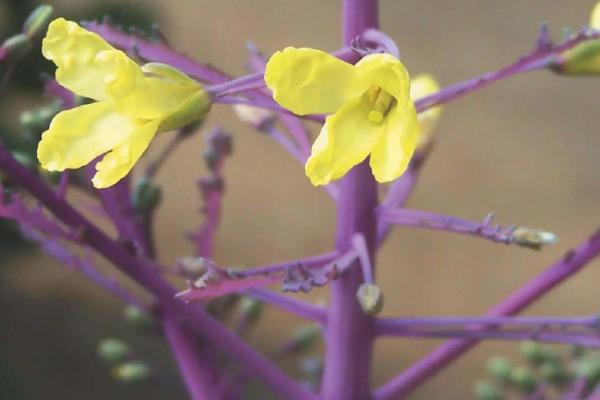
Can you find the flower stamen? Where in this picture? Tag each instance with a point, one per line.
(381, 102)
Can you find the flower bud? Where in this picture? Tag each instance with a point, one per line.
(25, 159)
(35, 25)
(15, 47)
(259, 118)
(499, 368)
(370, 298)
(139, 318)
(304, 338)
(422, 86)
(583, 59)
(533, 238)
(485, 390)
(133, 371)
(194, 108)
(38, 120)
(113, 350)
(523, 379)
(146, 196)
(554, 373)
(589, 369)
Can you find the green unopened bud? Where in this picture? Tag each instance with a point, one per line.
(533, 238)
(370, 298)
(499, 368)
(15, 47)
(583, 59)
(577, 351)
(146, 195)
(35, 25)
(113, 350)
(139, 318)
(554, 373)
(194, 108)
(133, 371)
(38, 120)
(25, 159)
(589, 369)
(536, 354)
(303, 339)
(312, 366)
(523, 379)
(485, 390)
(250, 310)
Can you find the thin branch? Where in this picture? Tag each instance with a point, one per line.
(300, 308)
(557, 273)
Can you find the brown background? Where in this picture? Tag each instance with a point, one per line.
(526, 148)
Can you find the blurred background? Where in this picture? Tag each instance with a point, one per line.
(527, 148)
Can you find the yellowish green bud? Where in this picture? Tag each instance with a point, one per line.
(583, 59)
(15, 47)
(37, 22)
(499, 368)
(146, 195)
(113, 350)
(250, 309)
(304, 338)
(523, 379)
(533, 238)
(133, 371)
(554, 373)
(370, 298)
(25, 159)
(139, 318)
(485, 390)
(194, 108)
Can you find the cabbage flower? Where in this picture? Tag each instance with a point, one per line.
(132, 104)
(372, 113)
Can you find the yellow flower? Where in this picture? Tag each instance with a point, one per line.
(372, 110)
(132, 104)
(421, 86)
(595, 17)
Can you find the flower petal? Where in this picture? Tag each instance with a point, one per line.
(116, 164)
(393, 152)
(77, 136)
(387, 72)
(595, 17)
(421, 86)
(88, 65)
(308, 81)
(345, 140)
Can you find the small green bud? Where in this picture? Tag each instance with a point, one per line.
(15, 47)
(25, 159)
(250, 309)
(139, 318)
(499, 368)
(304, 338)
(133, 371)
(146, 196)
(589, 369)
(113, 350)
(523, 379)
(38, 120)
(554, 373)
(35, 25)
(312, 366)
(536, 354)
(485, 390)
(533, 238)
(370, 298)
(583, 59)
(577, 351)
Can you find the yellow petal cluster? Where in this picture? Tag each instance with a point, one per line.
(132, 104)
(372, 113)
(421, 86)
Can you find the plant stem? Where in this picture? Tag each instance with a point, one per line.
(136, 268)
(301, 308)
(195, 374)
(428, 366)
(349, 335)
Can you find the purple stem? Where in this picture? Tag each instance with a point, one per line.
(300, 308)
(388, 326)
(537, 59)
(195, 372)
(350, 332)
(269, 105)
(577, 339)
(428, 366)
(429, 220)
(198, 320)
(276, 268)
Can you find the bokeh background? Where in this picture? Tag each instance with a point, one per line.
(526, 148)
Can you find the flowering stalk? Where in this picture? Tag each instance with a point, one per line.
(428, 366)
(349, 334)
